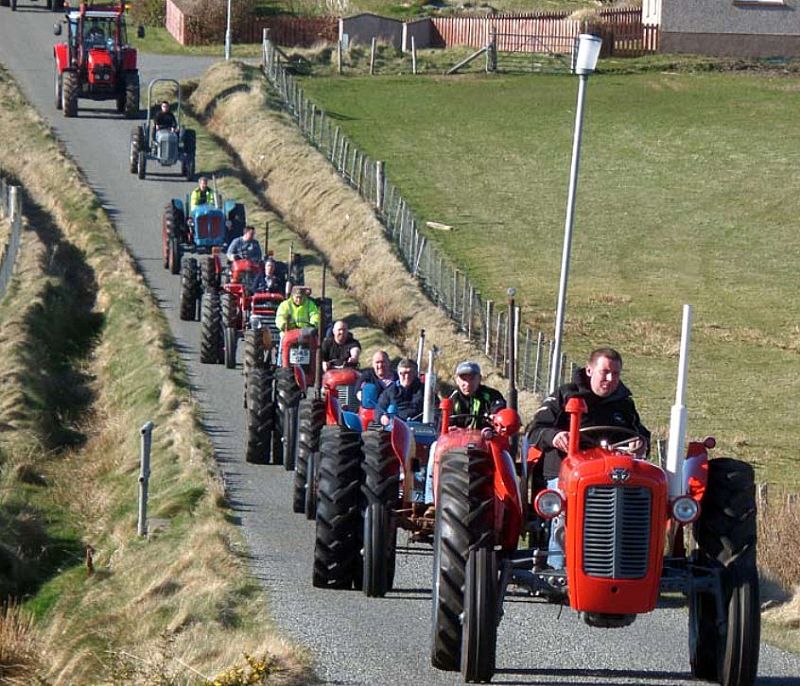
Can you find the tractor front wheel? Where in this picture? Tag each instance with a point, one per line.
(69, 93)
(312, 419)
(260, 415)
(288, 393)
(188, 298)
(337, 547)
(210, 327)
(174, 255)
(59, 87)
(381, 471)
(312, 487)
(231, 340)
(479, 640)
(463, 521)
(727, 651)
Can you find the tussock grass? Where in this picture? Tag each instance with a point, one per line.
(183, 593)
(19, 652)
(308, 194)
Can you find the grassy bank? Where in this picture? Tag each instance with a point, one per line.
(87, 359)
(684, 197)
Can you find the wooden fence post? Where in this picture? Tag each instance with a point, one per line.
(488, 343)
(413, 55)
(339, 57)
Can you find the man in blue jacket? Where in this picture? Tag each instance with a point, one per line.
(407, 394)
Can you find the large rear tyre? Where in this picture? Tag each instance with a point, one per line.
(188, 298)
(260, 416)
(210, 328)
(479, 640)
(337, 558)
(288, 393)
(208, 273)
(69, 93)
(131, 98)
(463, 521)
(137, 144)
(141, 164)
(727, 651)
(174, 255)
(312, 487)
(312, 419)
(381, 491)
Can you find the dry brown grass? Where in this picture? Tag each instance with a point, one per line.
(311, 197)
(188, 581)
(19, 652)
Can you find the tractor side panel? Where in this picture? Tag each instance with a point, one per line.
(129, 59)
(615, 521)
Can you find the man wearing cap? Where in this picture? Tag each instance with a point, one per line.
(473, 402)
(245, 247)
(297, 312)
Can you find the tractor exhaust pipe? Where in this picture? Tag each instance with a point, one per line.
(677, 416)
(420, 348)
(266, 239)
(320, 333)
(511, 338)
(428, 405)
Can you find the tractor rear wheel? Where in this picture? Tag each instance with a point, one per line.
(167, 227)
(381, 491)
(254, 355)
(312, 419)
(131, 99)
(463, 521)
(210, 327)
(337, 545)
(69, 93)
(188, 299)
(59, 87)
(137, 144)
(288, 393)
(727, 651)
(174, 254)
(479, 640)
(208, 273)
(260, 415)
(312, 487)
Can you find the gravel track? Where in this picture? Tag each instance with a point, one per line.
(354, 640)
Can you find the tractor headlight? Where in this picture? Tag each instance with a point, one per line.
(685, 509)
(548, 504)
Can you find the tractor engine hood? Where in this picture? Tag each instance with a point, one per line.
(101, 67)
(100, 57)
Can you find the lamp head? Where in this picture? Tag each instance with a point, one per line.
(585, 57)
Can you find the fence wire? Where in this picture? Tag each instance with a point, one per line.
(484, 322)
(11, 211)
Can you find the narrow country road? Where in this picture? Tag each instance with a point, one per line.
(354, 640)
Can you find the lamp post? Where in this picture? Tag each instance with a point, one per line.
(228, 34)
(584, 63)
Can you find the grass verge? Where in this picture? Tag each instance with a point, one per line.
(178, 605)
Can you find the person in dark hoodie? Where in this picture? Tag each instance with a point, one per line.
(406, 395)
(609, 403)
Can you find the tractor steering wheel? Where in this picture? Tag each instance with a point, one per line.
(624, 444)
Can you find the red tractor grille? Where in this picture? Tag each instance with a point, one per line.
(616, 531)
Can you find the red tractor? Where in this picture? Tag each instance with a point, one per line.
(623, 542)
(96, 62)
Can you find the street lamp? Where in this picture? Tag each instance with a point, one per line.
(228, 34)
(583, 64)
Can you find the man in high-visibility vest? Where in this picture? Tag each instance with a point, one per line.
(297, 312)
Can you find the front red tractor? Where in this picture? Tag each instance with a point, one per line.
(616, 515)
(96, 62)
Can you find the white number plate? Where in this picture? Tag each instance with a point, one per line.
(299, 356)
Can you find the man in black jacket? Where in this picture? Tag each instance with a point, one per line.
(473, 403)
(609, 403)
(407, 394)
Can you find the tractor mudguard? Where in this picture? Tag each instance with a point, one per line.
(507, 498)
(300, 378)
(178, 205)
(333, 411)
(333, 378)
(351, 420)
(129, 59)
(402, 441)
(61, 56)
(369, 396)
(695, 468)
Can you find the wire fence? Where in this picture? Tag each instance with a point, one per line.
(483, 321)
(11, 211)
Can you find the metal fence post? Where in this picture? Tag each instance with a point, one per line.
(538, 364)
(144, 475)
(488, 343)
(379, 185)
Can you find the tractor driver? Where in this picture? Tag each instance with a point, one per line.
(340, 349)
(95, 36)
(297, 312)
(202, 195)
(245, 247)
(165, 119)
(609, 403)
(268, 281)
(407, 394)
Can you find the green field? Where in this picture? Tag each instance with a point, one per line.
(687, 195)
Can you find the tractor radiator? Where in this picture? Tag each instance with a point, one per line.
(616, 532)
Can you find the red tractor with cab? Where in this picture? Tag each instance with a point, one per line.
(626, 523)
(96, 62)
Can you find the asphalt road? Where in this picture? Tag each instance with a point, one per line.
(354, 640)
